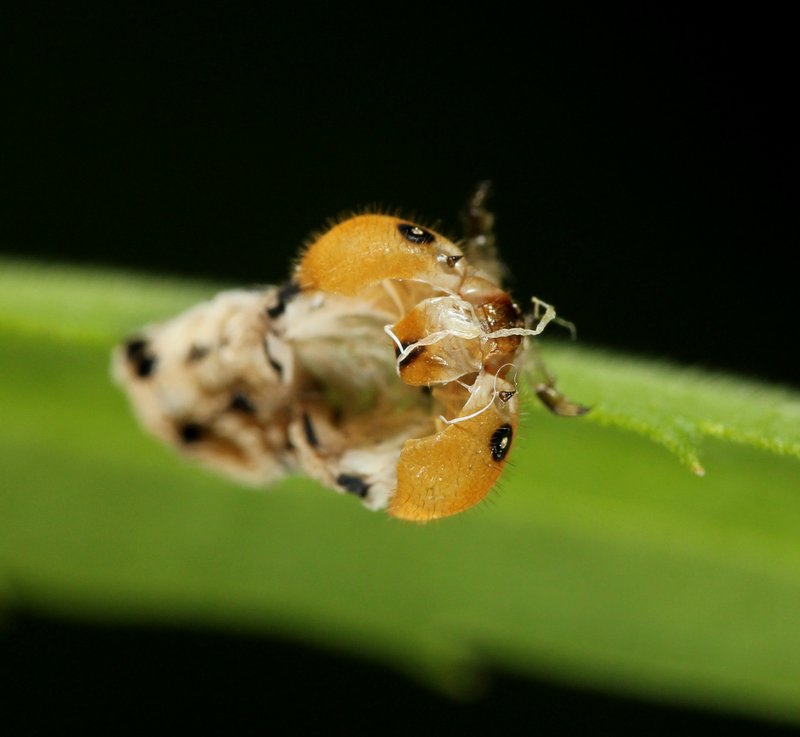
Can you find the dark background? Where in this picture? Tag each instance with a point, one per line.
(643, 158)
(645, 184)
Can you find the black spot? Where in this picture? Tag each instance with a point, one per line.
(506, 395)
(191, 432)
(197, 353)
(143, 363)
(145, 366)
(412, 356)
(285, 295)
(241, 403)
(308, 429)
(135, 348)
(453, 260)
(500, 442)
(426, 390)
(415, 234)
(353, 485)
(272, 362)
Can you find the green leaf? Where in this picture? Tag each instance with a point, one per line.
(679, 407)
(600, 559)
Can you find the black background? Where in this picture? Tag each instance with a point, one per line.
(643, 158)
(643, 161)
(151, 681)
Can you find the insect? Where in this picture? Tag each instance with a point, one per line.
(385, 368)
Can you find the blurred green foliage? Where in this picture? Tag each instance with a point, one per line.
(599, 560)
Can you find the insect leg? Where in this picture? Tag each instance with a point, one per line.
(479, 239)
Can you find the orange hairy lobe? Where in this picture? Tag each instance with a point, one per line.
(366, 249)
